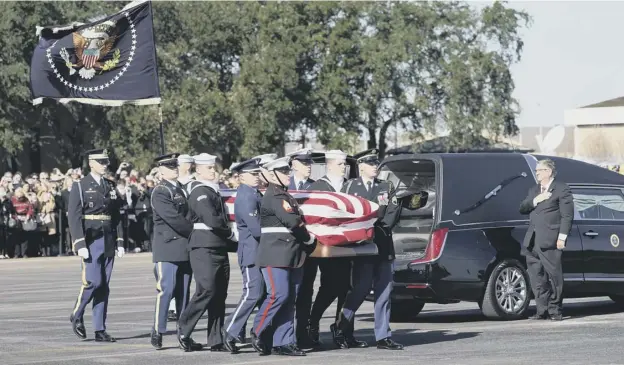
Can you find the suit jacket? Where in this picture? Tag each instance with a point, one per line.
(551, 219)
(172, 226)
(306, 184)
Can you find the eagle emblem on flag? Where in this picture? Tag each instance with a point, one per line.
(91, 45)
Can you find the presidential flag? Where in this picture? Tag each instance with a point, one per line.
(111, 61)
(336, 219)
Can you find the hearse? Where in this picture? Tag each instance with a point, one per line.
(463, 242)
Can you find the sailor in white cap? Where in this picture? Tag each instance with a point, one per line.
(209, 244)
(185, 166)
(284, 245)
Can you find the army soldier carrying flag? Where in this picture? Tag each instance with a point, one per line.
(284, 245)
(375, 271)
(96, 227)
(208, 244)
(169, 247)
(246, 211)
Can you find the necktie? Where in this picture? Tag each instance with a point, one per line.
(300, 187)
(543, 189)
(368, 185)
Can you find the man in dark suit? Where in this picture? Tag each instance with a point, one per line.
(551, 209)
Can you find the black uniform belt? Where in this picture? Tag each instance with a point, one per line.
(97, 217)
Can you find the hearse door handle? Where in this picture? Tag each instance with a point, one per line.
(590, 234)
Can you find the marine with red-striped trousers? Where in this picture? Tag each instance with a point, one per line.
(284, 245)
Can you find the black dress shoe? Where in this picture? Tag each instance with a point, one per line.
(556, 317)
(314, 336)
(78, 327)
(102, 336)
(171, 316)
(356, 344)
(259, 345)
(218, 348)
(156, 340)
(338, 337)
(185, 343)
(538, 316)
(288, 350)
(389, 344)
(229, 343)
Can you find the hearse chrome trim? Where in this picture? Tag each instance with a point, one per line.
(532, 163)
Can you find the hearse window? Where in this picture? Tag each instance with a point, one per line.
(598, 204)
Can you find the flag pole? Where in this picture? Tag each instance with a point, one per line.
(162, 131)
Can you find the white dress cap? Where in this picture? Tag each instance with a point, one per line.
(278, 164)
(185, 159)
(335, 155)
(204, 159)
(266, 158)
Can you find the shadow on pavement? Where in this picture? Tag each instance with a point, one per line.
(406, 337)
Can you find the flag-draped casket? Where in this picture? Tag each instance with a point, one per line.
(343, 224)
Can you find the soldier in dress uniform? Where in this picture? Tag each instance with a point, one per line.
(172, 227)
(185, 166)
(284, 245)
(96, 227)
(263, 160)
(335, 272)
(301, 163)
(246, 212)
(375, 271)
(209, 244)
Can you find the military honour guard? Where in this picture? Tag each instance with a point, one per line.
(96, 229)
(209, 243)
(172, 228)
(284, 246)
(376, 271)
(335, 272)
(247, 217)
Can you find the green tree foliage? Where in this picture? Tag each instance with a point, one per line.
(238, 77)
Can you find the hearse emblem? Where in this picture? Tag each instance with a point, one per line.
(615, 240)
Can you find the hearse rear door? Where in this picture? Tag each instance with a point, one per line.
(599, 215)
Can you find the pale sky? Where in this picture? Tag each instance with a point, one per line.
(573, 56)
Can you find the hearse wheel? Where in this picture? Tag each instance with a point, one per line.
(405, 310)
(507, 294)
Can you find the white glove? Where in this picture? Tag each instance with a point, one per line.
(120, 251)
(383, 199)
(311, 241)
(84, 253)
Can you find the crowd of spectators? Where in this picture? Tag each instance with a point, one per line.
(33, 216)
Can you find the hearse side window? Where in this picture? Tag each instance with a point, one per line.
(598, 204)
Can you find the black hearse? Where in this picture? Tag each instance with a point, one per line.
(463, 244)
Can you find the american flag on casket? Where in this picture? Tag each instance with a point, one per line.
(337, 219)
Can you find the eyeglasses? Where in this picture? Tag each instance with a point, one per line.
(538, 170)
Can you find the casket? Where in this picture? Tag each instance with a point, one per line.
(343, 224)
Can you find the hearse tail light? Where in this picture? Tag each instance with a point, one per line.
(434, 248)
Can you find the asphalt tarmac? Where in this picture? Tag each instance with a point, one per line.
(38, 294)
